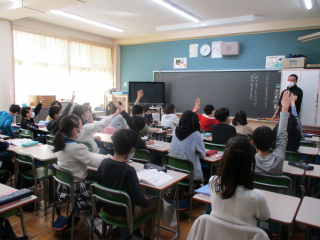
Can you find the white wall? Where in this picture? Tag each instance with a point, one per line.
(6, 66)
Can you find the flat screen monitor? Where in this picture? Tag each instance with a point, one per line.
(153, 92)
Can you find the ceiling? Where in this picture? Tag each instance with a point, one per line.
(141, 17)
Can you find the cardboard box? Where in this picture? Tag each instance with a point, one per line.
(294, 62)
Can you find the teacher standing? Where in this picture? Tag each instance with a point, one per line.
(294, 89)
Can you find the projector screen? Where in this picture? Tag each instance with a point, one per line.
(153, 92)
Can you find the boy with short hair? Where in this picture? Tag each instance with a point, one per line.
(263, 138)
(116, 174)
(56, 115)
(6, 119)
(206, 119)
(222, 132)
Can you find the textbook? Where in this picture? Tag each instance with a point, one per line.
(13, 196)
(153, 177)
(204, 190)
(19, 142)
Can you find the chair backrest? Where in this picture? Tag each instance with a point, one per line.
(49, 139)
(108, 130)
(207, 227)
(87, 144)
(179, 164)
(25, 133)
(63, 177)
(307, 144)
(213, 146)
(292, 156)
(113, 197)
(279, 184)
(23, 158)
(141, 156)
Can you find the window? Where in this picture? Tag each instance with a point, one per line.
(50, 66)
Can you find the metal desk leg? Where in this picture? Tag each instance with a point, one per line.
(24, 230)
(45, 187)
(308, 233)
(159, 209)
(177, 211)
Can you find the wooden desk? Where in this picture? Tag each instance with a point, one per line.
(213, 159)
(207, 139)
(313, 139)
(314, 174)
(4, 136)
(177, 177)
(44, 154)
(308, 150)
(287, 169)
(105, 138)
(282, 207)
(12, 148)
(44, 129)
(15, 206)
(308, 214)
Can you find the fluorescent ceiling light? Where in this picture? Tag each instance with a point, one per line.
(309, 37)
(214, 22)
(86, 20)
(308, 4)
(177, 9)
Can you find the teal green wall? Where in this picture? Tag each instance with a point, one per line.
(139, 61)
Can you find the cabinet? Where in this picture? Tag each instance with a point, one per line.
(308, 81)
(123, 98)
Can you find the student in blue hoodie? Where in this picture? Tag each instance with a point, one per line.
(6, 119)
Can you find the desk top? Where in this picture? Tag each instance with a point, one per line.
(282, 207)
(308, 150)
(106, 138)
(40, 153)
(11, 148)
(138, 167)
(43, 129)
(24, 201)
(312, 139)
(213, 159)
(315, 172)
(4, 136)
(308, 213)
(287, 169)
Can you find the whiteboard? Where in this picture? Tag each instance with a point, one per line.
(309, 84)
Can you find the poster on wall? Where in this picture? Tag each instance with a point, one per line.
(274, 61)
(216, 52)
(180, 63)
(193, 50)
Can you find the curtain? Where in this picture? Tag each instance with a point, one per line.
(51, 66)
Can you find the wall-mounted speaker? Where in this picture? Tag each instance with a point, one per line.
(230, 48)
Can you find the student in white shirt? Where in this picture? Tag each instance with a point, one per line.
(74, 157)
(233, 198)
(169, 119)
(92, 127)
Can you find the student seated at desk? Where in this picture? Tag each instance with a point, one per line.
(241, 124)
(56, 115)
(27, 121)
(147, 114)
(116, 174)
(187, 142)
(87, 107)
(222, 132)
(263, 138)
(53, 104)
(206, 119)
(118, 122)
(5, 161)
(6, 119)
(169, 118)
(233, 197)
(75, 158)
(90, 128)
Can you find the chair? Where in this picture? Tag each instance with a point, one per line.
(25, 133)
(120, 199)
(49, 139)
(207, 227)
(36, 174)
(279, 184)
(185, 166)
(307, 144)
(63, 177)
(243, 135)
(7, 171)
(88, 145)
(213, 146)
(292, 156)
(161, 126)
(141, 156)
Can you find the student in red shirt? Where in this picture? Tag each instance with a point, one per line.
(206, 119)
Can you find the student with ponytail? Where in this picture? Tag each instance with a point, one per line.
(76, 158)
(90, 128)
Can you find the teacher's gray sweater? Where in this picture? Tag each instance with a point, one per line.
(191, 148)
(273, 164)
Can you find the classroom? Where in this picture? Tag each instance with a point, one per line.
(159, 119)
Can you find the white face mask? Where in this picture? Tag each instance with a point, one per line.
(129, 156)
(32, 115)
(80, 134)
(290, 84)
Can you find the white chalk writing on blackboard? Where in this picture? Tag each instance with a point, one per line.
(266, 92)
